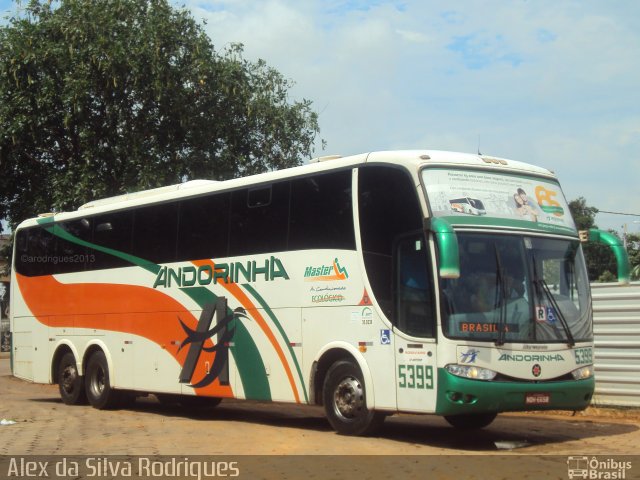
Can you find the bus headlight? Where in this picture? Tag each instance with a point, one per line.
(469, 371)
(583, 373)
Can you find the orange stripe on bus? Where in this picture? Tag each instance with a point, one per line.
(131, 309)
(251, 309)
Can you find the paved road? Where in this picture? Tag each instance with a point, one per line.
(45, 426)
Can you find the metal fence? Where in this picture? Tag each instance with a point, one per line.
(616, 323)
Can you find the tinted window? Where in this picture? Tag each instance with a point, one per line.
(321, 212)
(259, 219)
(203, 227)
(389, 209)
(53, 249)
(155, 232)
(71, 256)
(21, 242)
(413, 289)
(35, 252)
(112, 231)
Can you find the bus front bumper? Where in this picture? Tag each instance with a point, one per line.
(459, 396)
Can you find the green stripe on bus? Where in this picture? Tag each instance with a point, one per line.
(253, 374)
(273, 318)
(60, 232)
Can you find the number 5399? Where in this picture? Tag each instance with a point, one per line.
(415, 376)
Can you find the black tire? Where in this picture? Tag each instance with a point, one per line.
(471, 421)
(97, 383)
(70, 383)
(345, 401)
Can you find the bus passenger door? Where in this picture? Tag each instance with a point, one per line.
(414, 326)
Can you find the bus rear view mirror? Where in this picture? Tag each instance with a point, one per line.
(613, 242)
(447, 242)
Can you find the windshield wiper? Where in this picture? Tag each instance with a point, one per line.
(571, 342)
(542, 285)
(501, 299)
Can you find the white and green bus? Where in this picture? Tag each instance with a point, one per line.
(348, 283)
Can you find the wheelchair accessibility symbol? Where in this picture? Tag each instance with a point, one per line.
(385, 337)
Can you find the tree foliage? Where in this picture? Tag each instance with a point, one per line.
(633, 249)
(583, 215)
(102, 98)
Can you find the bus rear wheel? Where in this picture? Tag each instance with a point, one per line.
(345, 401)
(70, 383)
(97, 383)
(471, 421)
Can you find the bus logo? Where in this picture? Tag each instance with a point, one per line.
(536, 370)
(469, 356)
(196, 339)
(233, 272)
(547, 202)
(326, 273)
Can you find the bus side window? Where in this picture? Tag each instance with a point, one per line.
(389, 209)
(112, 230)
(155, 232)
(259, 219)
(21, 253)
(71, 255)
(414, 295)
(203, 231)
(322, 212)
(38, 251)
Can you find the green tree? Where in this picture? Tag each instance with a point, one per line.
(633, 249)
(601, 263)
(102, 98)
(583, 215)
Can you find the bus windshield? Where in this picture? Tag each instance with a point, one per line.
(518, 289)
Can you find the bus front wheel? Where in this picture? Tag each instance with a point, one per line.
(70, 383)
(345, 401)
(471, 421)
(97, 383)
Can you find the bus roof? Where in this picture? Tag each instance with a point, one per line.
(408, 158)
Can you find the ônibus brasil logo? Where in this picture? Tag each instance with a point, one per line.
(597, 468)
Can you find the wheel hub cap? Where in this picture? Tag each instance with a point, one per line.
(348, 398)
(69, 376)
(98, 382)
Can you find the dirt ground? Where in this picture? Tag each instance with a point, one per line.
(45, 426)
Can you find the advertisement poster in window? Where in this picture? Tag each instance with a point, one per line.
(475, 197)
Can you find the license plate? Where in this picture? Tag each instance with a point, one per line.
(537, 398)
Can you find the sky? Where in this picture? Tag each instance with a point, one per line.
(553, 83)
